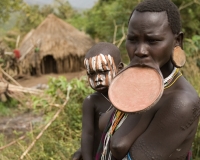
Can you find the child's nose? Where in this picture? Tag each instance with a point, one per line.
(98, 78)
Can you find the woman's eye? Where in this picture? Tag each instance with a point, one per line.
(152, 41)
(131, 39)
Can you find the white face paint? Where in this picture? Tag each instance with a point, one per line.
(101, 70)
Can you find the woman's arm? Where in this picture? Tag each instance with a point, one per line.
(131, 129)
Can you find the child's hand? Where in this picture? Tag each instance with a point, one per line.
(77, 155)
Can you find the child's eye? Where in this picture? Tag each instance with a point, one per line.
(103, 72)
(91, 73)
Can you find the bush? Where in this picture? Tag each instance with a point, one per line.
(62, 138)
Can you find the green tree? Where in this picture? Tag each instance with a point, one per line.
(101, 21)
(191, 23)
(64, 9)
(7, 7)
(190, 17)
(31, 16)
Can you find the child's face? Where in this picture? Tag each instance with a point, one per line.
(101, 70)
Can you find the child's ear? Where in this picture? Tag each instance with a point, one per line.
(120, 66)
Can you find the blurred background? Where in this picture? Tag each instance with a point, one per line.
(42, 46)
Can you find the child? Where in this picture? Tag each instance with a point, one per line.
(102, 62)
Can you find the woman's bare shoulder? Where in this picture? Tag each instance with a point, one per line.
(183, 105)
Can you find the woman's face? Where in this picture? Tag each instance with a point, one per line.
(150, 38)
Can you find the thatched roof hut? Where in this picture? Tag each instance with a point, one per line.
(54, 46)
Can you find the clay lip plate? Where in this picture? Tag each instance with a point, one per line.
(136, 89)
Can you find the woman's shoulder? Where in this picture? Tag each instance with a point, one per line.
(183, 101)
(182, 91)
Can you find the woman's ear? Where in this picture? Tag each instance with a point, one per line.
(179, 39)
(120, 66)
(178, 57)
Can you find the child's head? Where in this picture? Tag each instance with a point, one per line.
(102, 62)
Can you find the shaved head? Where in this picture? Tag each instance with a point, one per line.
(102, 62)
(105, 48)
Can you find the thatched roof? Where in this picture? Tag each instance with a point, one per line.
(57, 38)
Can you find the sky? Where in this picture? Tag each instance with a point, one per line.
(84, 4)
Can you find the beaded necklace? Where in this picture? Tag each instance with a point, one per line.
(105, 97)
(118, 118)
(172, 78)
(108, 101)
(167, 79)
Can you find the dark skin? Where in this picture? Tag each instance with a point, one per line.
(77, 155)
(93, 106)
(166, 131)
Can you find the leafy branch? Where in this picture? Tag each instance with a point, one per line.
(183, 6)
(47, 125)
(118, 42)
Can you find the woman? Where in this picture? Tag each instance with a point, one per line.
(166, 131)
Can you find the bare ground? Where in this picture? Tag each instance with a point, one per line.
(33, 81)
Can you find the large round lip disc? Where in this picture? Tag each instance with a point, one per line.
(136, 89)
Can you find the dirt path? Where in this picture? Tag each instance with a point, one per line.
(20, 123)
(33, 81)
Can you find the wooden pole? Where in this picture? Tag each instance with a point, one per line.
(6, 74)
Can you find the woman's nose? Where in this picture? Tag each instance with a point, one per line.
(141, 51)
